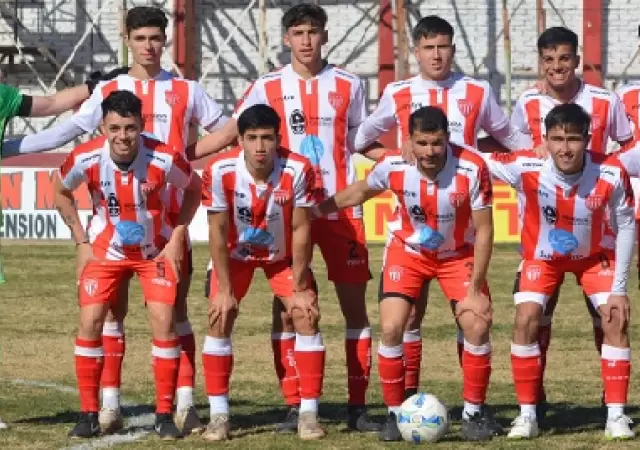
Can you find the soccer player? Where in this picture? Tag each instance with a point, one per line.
(320, 107)
(442, 230)
(557, 50)
(258, 197)
(126, 174)
(565, 201)
(170, 105)
(470, 106)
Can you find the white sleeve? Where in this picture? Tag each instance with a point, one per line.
(378, 178)
(356, 115)
(304, 188)
(481, 192)
(253, 96)
(519, 118)
(622, 206)
(630, 159)
(213, 198)
(72, 175)
(381, 120)
(512, 138)
(493, 117)
(206, 110)
(89, 116)
(503, 167)
(47, 139)
(620, 129)
(180, 172)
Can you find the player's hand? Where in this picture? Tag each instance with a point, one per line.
(477, 303)
(315, 212)
(541, 151)
(173, 253)
(84, 255)
(407, 152)
(619, 302)
(222, 305)
(307, 302)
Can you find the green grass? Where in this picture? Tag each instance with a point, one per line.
(38, 318)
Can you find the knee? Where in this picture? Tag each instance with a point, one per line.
(303, 324)
(615, 330)
(527, 319)
(91, 327)
(477, 330)
(391, 333)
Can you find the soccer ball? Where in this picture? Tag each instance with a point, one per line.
(423, 418)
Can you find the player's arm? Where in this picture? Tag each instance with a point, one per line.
(65, 182)
(482, 218)
(620, 130)
(503, 167)
(300, 247)
(214, 142)
(354, 195)
(52, 105)
(630, 160)
(503, 134)
(380, 121)
(622, 207)
(182, 176)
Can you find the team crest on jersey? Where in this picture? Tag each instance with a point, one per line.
(456, 199)
(147, 187)
(465, 106)
(90, 286)
(594, 201)
(533, 273)
(395, 273)
(171, 98)
(280, 197)
(336, 100)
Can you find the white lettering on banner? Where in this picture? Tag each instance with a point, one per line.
(28, 211)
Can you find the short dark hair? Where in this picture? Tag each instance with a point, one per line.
(258, 116)
(146, 17)
(123, 103)
(554, 36)
(428, 119)
(568, 116)
(430, 26)
(303, 14)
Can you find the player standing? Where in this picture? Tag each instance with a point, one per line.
(557, 50)
(470, 106)
(565, 201)
(320, 107)
(258, 198)
(170, 105)
(126, 175)
(443, 230)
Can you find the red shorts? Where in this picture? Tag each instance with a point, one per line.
(540, 279)
(278, 274)
(343, 246)
(100, 280)
(404, 273)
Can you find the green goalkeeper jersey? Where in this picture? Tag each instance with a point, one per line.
(10, 103)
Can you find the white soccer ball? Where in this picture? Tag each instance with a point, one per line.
(423, 418)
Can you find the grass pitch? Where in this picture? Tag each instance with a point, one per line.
(38, 319)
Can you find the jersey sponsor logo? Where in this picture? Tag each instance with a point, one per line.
(312, 148)
(245, 215)
(418, 213)
(256, 237)
(456, 199)
(172, 98)
(562, 241)
(131, 233)
(297, 122)
(465, 106)
(594, 201)
(550, 214)
(113, 206)
(90, 286)
(336, 100)
(430, 238)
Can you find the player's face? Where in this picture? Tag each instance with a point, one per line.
(559, 65)
(566, 147)
(146, 45)
(305, 42)
(430, 150)
(123, 134)
(259, 145)
(435, 56)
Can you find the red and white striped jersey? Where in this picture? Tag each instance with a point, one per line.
(169, 105)
(317, 116)
(630, 96)
(470, 106)
(608, 119)
(260, 216)
(434, 217)
(564, 217)
(129, 217)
